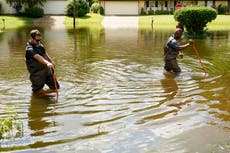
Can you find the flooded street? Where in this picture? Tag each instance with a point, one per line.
(115, 96)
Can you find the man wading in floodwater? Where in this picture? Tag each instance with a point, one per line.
(39, 65)
(172, 49)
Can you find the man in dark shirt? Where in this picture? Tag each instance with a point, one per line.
(172, 49)
(39, 64)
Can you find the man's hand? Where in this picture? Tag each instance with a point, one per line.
(50, 65)
(190, 41)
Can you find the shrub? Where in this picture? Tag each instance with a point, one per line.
(102, 11)
(195, 19)
(10, 126)
(151, 12)
(35, 12)
(95, 7)
(222, 9)
(82, 8)
(159, 12)
(143, 11)
(0, 7)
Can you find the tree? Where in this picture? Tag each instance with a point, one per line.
(195, 19)
(82, 8)
(33, 3)
(17, 4)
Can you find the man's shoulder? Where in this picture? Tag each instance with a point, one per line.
(29, 46)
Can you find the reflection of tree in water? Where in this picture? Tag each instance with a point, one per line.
(169, 85)
(39, 110)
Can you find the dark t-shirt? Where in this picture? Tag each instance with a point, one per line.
(171, 48)
(32, 50)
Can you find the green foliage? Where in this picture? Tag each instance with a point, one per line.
(222, 9)
(102, 11)
(82, 8)
(151, 12)
(143, 11)
(10, 126)
(195, 19)
(35, 12)
(160, 12)
(95, 7)
(0, 8)
(33, 3)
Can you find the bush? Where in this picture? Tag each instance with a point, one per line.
(0, 7)
(143, 11)
(195, 19)
(159, 12)
(82, 8)
(151, 12)
(222, 9)
(95, 7)
(35, 12)
(102, 11)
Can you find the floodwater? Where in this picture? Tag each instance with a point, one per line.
(115, 96)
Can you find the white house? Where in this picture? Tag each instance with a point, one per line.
(53, 7)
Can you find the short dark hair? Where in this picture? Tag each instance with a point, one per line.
(34, 33)
(179, 30)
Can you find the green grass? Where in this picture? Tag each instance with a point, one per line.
(90, 20)
(159, 21)
(12, 22)
(167, 22)
(222, 22)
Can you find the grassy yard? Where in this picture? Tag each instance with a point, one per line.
(12, 22)
(159, 21)
(222, 22)
(91, 19)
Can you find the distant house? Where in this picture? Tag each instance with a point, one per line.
(134, 7)
(55, 7)
(125, 7)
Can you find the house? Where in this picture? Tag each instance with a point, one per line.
(124, 7)
(52, 7)
(135, 7)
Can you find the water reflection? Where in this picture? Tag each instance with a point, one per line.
(169, 85)
(113, 90)
(40, 110)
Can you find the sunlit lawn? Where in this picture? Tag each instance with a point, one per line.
(12, 22)
(222, 22)
(159, 21)
(91, 19)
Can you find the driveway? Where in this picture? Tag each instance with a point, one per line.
(54, 22)
(120, 22)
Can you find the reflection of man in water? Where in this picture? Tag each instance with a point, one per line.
(38, 111)
(170, 86)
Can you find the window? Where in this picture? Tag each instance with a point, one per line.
(166, 3)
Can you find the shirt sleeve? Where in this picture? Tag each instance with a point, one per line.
(29, 51)
(174, 44)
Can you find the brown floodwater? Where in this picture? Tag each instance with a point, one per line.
(115, 96)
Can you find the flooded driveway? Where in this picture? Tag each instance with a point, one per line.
(115, 96)
(120, 22)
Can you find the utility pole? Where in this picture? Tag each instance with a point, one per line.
(74, 14)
